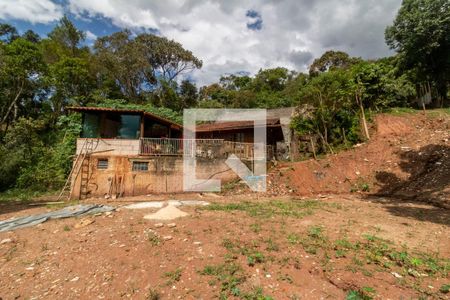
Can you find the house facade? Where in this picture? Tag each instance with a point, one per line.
(123, 152)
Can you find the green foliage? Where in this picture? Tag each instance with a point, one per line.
(357, 295)
(229, 275)
(420, 34)
(292, 208)
(140, 65)
(159, 111)
(34, 159)
(39, 78)
(380, 87)
(173, 276)
(332, 60)
(445, 288)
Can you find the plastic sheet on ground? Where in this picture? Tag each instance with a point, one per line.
(67, 212)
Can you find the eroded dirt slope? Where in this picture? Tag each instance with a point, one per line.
(407, 157)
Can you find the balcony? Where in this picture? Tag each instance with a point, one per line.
(205, 148)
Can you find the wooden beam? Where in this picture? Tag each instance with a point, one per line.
(142, 126)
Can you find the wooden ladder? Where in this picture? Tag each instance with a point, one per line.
(81, 164)
(84, 177)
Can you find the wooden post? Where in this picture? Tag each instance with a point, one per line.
(313, 147)
(141, 134)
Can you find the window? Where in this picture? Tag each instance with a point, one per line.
(111, 125)
(91, 125)
(239, 137)
(102, 164)
(140, 166)
(129, 127)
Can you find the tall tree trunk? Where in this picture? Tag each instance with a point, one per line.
(13, 103)
(363, 116)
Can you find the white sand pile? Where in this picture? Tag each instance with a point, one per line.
(169, 212)
(153, 204)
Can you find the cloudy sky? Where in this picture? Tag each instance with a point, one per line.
(230, 36)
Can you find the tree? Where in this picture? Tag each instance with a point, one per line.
(66, 34)
(331, 60)
(31, 36)
(235, 82)
(421, 36)
(331, 95)
(271, 79)
(21, 69)
(8, 33)
(381, 85)
(120, 58)
(140, 65)
(72, 82)
(167, 58)
(188, 94)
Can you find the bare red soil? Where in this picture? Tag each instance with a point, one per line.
(407, 157)
(391, 242)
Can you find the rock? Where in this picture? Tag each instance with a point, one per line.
(83, 223)
(396, 275)
(171, 225)
(167, 237)
(159, 225)
(6, 241)
(75, 279)
(413, 273)
(197, 243)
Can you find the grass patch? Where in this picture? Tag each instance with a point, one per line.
(272, 245)
(152, 294)
(445, 288)
(229, 276)
(153, 237)
(383, 253)
(173, 276)
(292, 208)
(365, 293)
(21, 195)
(400, 111)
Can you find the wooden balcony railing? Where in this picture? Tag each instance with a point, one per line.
(207, 148)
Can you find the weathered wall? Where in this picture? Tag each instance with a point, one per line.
(164, 175)
(111, 146)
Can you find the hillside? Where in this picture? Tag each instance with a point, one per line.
(407, 157)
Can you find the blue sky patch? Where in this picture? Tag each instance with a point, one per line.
(255, 22)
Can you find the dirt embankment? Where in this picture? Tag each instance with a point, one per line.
(407, 157)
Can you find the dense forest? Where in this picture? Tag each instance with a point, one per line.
(41, 76)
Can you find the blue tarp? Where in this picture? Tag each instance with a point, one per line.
(70, 211)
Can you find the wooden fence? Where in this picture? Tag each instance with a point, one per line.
(207, 148)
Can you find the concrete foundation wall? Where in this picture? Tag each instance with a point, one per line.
(111, 146)
(164, 175)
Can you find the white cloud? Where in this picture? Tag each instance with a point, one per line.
(292, 32)
(33, 11)
(90, 36)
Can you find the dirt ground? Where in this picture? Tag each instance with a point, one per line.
(408, 157)
(371, 222)
(288, 248)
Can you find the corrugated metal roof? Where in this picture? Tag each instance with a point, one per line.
(120, 110)
(224, 126)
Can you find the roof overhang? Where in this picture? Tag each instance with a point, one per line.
(144, 113)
